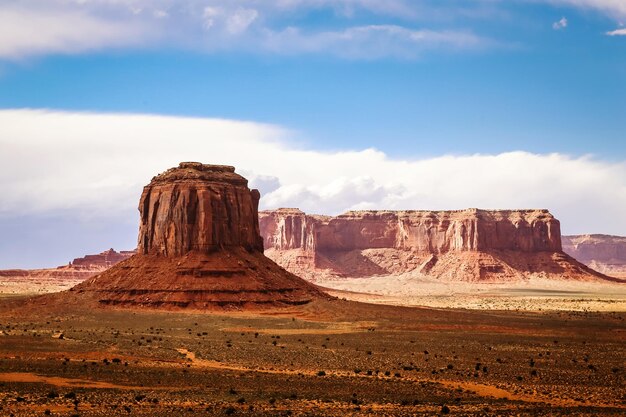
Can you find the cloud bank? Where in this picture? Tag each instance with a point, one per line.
(352, 29)
(279, 27)
(92, 167)
(612, 8)
(43, 30)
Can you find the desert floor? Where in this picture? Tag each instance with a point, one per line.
(328, 358)
(535, 294)
(12, 286)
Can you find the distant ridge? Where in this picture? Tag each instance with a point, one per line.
(472, 245)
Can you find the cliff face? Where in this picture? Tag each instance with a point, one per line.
(102, 260)
(603, 253)
(198, 207)
(199, 248)
(420, 231)
(465, 244)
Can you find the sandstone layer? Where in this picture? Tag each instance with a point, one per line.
(101, 261)
(199, 247)
(603, 253)
(462, 245)
(198, 207)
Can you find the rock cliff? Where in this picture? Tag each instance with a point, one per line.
(468, 245)
(603, 253)
(101, 261)
(420, 231)
(198, 207)
(199, 248)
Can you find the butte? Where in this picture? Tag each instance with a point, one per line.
(199, 248)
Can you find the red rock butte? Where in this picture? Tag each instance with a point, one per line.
(465, 245)
(198, 207)
(199, 248)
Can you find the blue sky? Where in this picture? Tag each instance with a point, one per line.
(419, 82)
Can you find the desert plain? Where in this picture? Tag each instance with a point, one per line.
(326, 358)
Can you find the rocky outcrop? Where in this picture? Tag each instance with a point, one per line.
(469, 245)
(26, 281)
(198, 207)
(420, 231)
(199, 248)
(603, 253)
(102, 260)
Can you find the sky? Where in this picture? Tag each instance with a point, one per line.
(326, 105)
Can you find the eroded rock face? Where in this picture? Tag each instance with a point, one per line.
(198, 207)
(603, 253)
(420, 231)
(199, 248)
(469, 245)
(102, 260)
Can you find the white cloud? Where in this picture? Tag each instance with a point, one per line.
(561, 24)
(355, 28)
(617, 32)
(399, 8)
(83, 165)
(239, 21)
(75, 26)
(370, 42)
(614, 8)
(26, 31)
(209, 14)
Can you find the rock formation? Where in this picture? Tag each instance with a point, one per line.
(199, 247)
(27, 281)
(100, 261)
(467, 245)
(603, 253)
(198, 207)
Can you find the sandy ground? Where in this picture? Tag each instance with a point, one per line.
(330, 357)
(18, 286)
(535, 294)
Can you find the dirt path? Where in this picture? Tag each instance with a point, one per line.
(28, 377)
(483, 390)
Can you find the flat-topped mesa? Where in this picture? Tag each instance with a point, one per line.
(198, 208)
(101, 260)
(466, 245)
(420, 231)
(199, 248)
